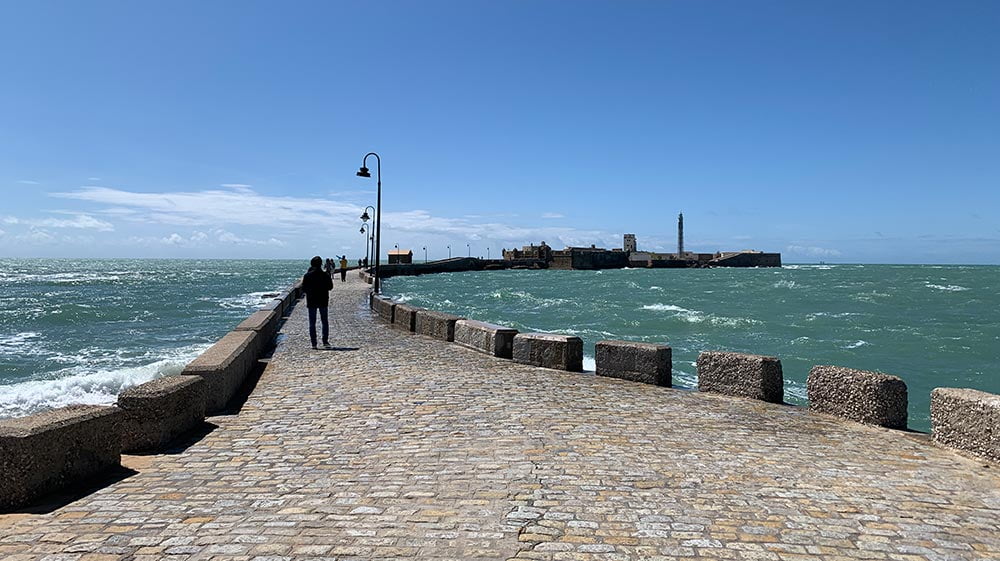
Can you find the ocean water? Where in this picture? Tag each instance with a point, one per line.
(933, 326)
(80, 331)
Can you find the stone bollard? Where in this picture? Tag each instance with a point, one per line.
(384, 307)
(405, 317)
(548, 350)
(224, 366)
(436, 324)
(867, 397)
(159, 411)
(967, 420)
(639, 362)
(485, 337)
(741, 375)
(265, 324)
(56, 449)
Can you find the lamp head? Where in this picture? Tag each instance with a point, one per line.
(362, 230)
(365, 217)
(363, 172)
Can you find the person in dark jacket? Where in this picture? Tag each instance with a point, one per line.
(317, 285)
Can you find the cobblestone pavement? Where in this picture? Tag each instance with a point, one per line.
(398, 445)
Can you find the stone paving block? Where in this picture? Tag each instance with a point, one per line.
(154, 414)
(968, 420)
(741, 375)
(485, 337)
(648, 363)
(405, 317)
(549, 350)
(225, 366)
(867, 397)
(384, 307)
(436, 324)
(56, 449)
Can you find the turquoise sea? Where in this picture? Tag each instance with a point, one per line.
(931, 325)
(80, 331)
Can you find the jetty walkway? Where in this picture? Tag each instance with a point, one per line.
(394, 445)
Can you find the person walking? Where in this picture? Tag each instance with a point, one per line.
(343, 268)
(317, 284)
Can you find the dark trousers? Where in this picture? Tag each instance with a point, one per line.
(312, 325)
(343, 275)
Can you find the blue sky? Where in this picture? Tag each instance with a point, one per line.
(836, 131)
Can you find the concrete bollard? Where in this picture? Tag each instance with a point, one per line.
(639, 362)
(265, 324)
(405, 317)
(436, 324)
(741, 375)
(56, 449)
(548, 350)
(867, 397)
(967, 420)
(224, 366)
(157, 412)
(485, 337)
(385, 308)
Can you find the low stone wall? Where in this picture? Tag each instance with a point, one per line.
(485, 337)
(405, 317)
(967, 420)
(436, 324)
(867, 397)
(384, 307)
(639, 362)
(265, 323)
(49, 451)
(561, 352)
(157, 412)
(741, 375)
(225, 366)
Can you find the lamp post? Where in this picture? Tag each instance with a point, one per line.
(469, 247)
(371, 235)
(425, 254)
(449, 252)
(364, 232)
(363, 172)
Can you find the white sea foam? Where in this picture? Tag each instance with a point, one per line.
(695, 316)
(88, 388)
(249, 301)
(856, 344)
(948, 287)
(589, 363)
(785, 284)
(666, 308)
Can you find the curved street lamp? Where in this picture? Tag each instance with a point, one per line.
(363, 172)
(370, 245)
(449, 252)
(364, 232)
(425, 254)
(469, 247)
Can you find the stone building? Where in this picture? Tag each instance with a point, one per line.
(542, 252)
(400, 256)
(629, 246)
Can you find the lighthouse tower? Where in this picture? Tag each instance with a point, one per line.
(680, 236)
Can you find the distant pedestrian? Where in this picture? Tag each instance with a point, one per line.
(317, 285)
(359, 263)
(343, 268)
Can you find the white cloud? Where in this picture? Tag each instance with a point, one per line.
(553, 215)
(27, 182)
(82, 221)
(243, 207)
(812, 251)
(173, 239)
(93, 179)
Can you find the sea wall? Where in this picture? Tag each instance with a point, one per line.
(58, 449)
(966, 420)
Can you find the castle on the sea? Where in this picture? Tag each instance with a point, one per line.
(629, 256)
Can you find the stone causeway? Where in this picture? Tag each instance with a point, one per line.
(397, 445)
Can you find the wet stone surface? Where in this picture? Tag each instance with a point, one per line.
(395, 445)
